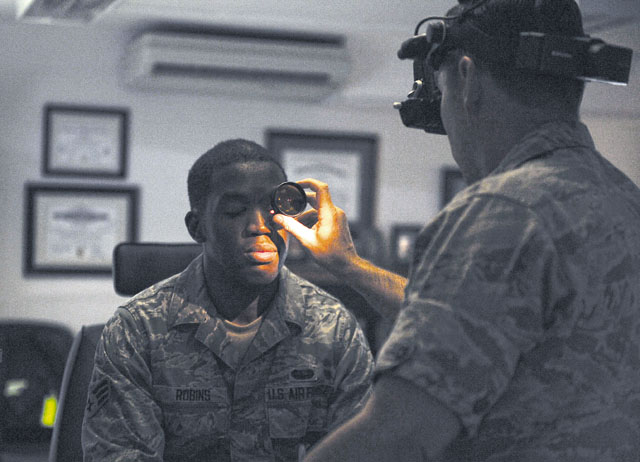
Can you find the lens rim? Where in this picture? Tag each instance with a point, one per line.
(274, 195)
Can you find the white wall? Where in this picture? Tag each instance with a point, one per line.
(42, 64)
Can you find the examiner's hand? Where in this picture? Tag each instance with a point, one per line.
(327, 235)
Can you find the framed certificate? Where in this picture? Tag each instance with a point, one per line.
(74, 229)
(345, 161)
(85, 141)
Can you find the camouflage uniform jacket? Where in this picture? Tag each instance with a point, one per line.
(522, 311)
(161, 389)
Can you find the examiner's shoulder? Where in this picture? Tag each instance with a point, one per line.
(533, 186)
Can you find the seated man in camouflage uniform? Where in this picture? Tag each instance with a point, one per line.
(235, 358)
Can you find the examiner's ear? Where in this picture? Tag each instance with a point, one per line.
(192, 220)
(471, 84)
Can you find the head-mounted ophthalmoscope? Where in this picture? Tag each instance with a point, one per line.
(582, 58)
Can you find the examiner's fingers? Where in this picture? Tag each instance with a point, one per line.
(291, 225)
(323, 202)
(311, 183)
(308, 218)
(321, 190)
(311, 199)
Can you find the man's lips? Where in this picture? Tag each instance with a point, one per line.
(262, 254)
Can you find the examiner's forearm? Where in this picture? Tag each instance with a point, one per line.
(382, 289)
(357, 441)
(400, 422)
(383, 431)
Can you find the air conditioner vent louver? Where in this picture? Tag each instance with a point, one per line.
(258, 64)
(249, 75)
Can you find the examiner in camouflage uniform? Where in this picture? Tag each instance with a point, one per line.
(522, 311)
(235, 358)
(519, 335)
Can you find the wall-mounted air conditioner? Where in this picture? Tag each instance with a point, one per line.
(249, 63)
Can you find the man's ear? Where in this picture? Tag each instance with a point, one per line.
(192, 220)
(472, 89)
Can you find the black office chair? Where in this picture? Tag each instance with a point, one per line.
(65, 442)
(136, 266)
(32, 361)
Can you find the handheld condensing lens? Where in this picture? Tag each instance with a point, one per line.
(289, 199)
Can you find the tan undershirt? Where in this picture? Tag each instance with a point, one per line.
(240, 337)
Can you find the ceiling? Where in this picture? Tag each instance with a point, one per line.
(373, 29)
(328, 14)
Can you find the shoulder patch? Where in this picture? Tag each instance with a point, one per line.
(99, 395)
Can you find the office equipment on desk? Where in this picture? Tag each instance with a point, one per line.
(32, 361)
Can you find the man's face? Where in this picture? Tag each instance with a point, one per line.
(240, 238)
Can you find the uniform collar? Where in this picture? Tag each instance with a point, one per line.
(191, 304)
(544, 140)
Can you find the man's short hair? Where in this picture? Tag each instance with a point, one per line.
(222, 154)
(505, 19)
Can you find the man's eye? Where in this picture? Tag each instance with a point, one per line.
(234, 211)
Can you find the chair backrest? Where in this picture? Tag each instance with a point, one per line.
(138, 265)
(65, 441)
(32, 361)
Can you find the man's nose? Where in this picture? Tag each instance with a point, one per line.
(260, 221)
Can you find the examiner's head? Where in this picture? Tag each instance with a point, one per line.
(487, 103)
(505, 20)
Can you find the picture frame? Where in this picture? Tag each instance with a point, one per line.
(403, 238)
(452, 182)
(347, 162)
(73, 229)
(85, 141)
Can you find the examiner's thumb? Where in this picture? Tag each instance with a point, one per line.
(292, 226)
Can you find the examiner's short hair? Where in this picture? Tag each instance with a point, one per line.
(222, 154)
(506, 19)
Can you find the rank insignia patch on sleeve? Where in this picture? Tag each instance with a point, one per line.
(99, 395)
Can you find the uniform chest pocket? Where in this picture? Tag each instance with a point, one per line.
(193, 412)
(295, 409)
